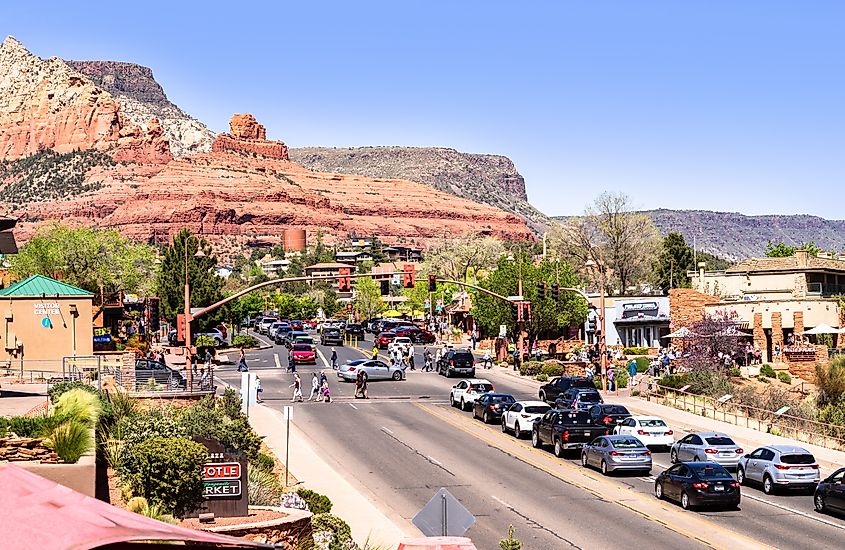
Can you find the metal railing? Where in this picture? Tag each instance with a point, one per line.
(830, 436)
(164, 380)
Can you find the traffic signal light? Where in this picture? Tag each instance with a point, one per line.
(155, 319)
(432, 282)
(523, 312)
(180, 327)
(385, 287)
(541, 290)
(591, 324)
(343, 282)
(555, 292)
(408, 278)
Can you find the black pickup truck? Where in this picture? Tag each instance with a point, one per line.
(565, 429)
(549, 392)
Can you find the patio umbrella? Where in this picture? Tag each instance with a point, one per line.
(682, 332)
(391, 313)
(824, 329)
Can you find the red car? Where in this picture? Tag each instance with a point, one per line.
(303, 353)
(296, 325)
(417, 335)
(384, 338)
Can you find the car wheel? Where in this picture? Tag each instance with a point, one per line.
(673, 456)
(535, 439)
(658, 491)
(604, 469)
(768, 485)
(819, 504)
(504, 425)
(558, 448)
(516, 431)
(452, 401)
(543, 397)
(463, 405)
(685, 501)
(740, 476)
(218, 342)
(584, 460)
(486, 418)
(397, 375)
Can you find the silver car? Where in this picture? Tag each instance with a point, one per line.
(777, 466)
(616, 452)
(706, 447)
(372, 369)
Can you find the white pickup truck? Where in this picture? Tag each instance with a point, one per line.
(399, 344)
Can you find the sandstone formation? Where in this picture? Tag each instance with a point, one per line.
(246, 135)
(148, 147)
(17, 449)
(141, 98)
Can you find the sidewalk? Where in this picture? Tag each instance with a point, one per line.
(19, 399)
(351, 503)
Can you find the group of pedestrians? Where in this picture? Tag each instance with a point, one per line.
(320, 390)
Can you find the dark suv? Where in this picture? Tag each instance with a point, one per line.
(331, 336)
(579, 399)
(354, 330)
(556, 386)
(456, 362)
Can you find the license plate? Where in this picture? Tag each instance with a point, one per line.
(586, 433)
(726, 454)
(719, 488)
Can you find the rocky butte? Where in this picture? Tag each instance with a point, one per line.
(246, 135)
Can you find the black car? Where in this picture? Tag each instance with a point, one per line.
(147, 369)
(578, 398)
(830, 493)
(549, 392)
(460, 362)
(608, 415)
(698, 484)
(281, 333)
(490, 406)
(331, 336)
(291, 337)
(355, 330)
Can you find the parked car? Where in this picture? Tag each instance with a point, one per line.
(565, 429)
(490, 406)
(650, 430)
(698, 484)
(399, 344)
(354, 330)
(331, 336)
(611, 453)
(607, 415)
(464, 393)
(383, 339)
(303, 353)
(521, 416)
(578, 398)
(460, 362)
(779, 466)
(372, 369)
(830, 493)
(550, 391)
(706, 447)
(256, 321)
(265, 323)
(146, 369)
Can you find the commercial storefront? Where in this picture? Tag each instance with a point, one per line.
(44, 320)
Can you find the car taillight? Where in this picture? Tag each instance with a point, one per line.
(615, 453)
(782, 467)
(492, 407)
(607, 420)
(711, 451)
(566, 435)
(647, 452)
(739, 451)
(814, 466)
(735, 484)
(452, 362)
(670, 432)
(700, 485)
(607, 432)
(640, 432)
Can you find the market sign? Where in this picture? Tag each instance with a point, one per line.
(224, 480)
(219, 488)
(102, 335)
(226, 470)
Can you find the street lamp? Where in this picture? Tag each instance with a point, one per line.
(188, 367)
(519, 324)
(590, 264)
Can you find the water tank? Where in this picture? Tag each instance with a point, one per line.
(294, 240)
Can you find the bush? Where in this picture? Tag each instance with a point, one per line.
(139, 505)
(551, 369)
(830, 380)
(154, 423)
(542, 377)
(735, 372)
(674, 381)
(244, 341)
(784, 377)
(263, 487)
(317, 503)
(621, 378)
(531, 368)
(57, 390)
(167, 471)
(264, 462)
(635, 393)
(238, 434)
(341, 533)
(231, 404)
(510, 543)
(80, 404)
(635, 351)
(71, 439)
(768, 371)
(710, 383)
(833, 413)
(642, 364)
(27, 426)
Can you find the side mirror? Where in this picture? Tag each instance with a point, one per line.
(746, 456)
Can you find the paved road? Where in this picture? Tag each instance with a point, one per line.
(406, 442)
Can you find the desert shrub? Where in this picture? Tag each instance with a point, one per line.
(735, 372)
(341, 533)
(621, 378)
(635, 393)
(542, 377)
(763, 379)
(709, 382)
(80, 404)
(830, 380)
(27, 426)
(205, 419)
(767, 371)
(244, 341)
(317, 503)
(510, 543)
(263, 487)
(784, 377)
(167, 471)
(231, 403)
(57, 390)
(153, 423)
(238, 434)
(264, 462)
(71, 439)
(635, 351)
(642, 364)
(530, 368)
(674, 381)
(553, 369)
(833, 413)
(139, 505)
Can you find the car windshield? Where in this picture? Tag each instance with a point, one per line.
(482, 387)
(582, 383)
(502, 399)
(705, 471)
(798, 459)
(719, 440)
(537, 409)
(574, 418)
(652, 423)
(589, 397)
(463, 356)
(302, 347)
(627, 443)
(615, 409)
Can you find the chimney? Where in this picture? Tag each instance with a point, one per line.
(803, 257)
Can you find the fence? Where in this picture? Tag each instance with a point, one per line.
(144, 375)
(801, 429)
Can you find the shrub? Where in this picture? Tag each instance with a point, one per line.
(635, 351)
(139, 505)
(317, 503)
(167, 471)
(205, 342)
(71, 439)
(833, 413)
(542, 377)
(830, 380)
(674, 381)
(531, 368)
(263, 487)
(341, 533)
(264, 462)
(121, 405)
(231, 404)
(154, 423)
(80, 404)
(27, 426)
(244, 341)
(642, 364)
(767, 371)
(708, 382)
(553, 369)
(510, 543)
(735, 372)
(784, 377)
(621, 378)
(57, 390)
(763, 379)
(635, 393)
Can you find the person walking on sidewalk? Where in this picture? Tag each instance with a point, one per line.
(258, 390)
(334, 358)
(632, 371)
(242, 362)
(364, 393)
(297, 388)
(323, 379)
(315, 387)
(426, 360)
(411, 356)
(487, 361)
(359, 383)
(611, 378)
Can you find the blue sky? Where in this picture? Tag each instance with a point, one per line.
(716, 105)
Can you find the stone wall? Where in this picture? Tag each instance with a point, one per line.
(777, 333)
(289, 533)
(15, 449)
(803, 365)
(686, 306)
(760, 336)
(798, 322)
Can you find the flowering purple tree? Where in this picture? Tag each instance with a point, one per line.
(713, 337)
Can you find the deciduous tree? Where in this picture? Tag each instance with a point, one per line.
(368, 300)
(459, 257)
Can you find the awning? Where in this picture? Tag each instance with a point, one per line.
(36, 513)
(824, 329)
(682, 332)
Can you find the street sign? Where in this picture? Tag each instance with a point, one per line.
(782, 410)
(443, 516)
(503, 331)
(287, 412)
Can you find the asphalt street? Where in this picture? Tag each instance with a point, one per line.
(406, 442)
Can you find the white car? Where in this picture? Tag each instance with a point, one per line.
(520, 417)
(465, 392)
(651, 430)
(399, 344)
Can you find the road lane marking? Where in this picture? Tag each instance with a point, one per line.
(323, 358)
(276, 358)
(502, 502)
(431, 458)
(793, 511)
(386, 430)
(353, 406)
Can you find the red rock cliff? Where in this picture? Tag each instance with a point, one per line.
(246, 135)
